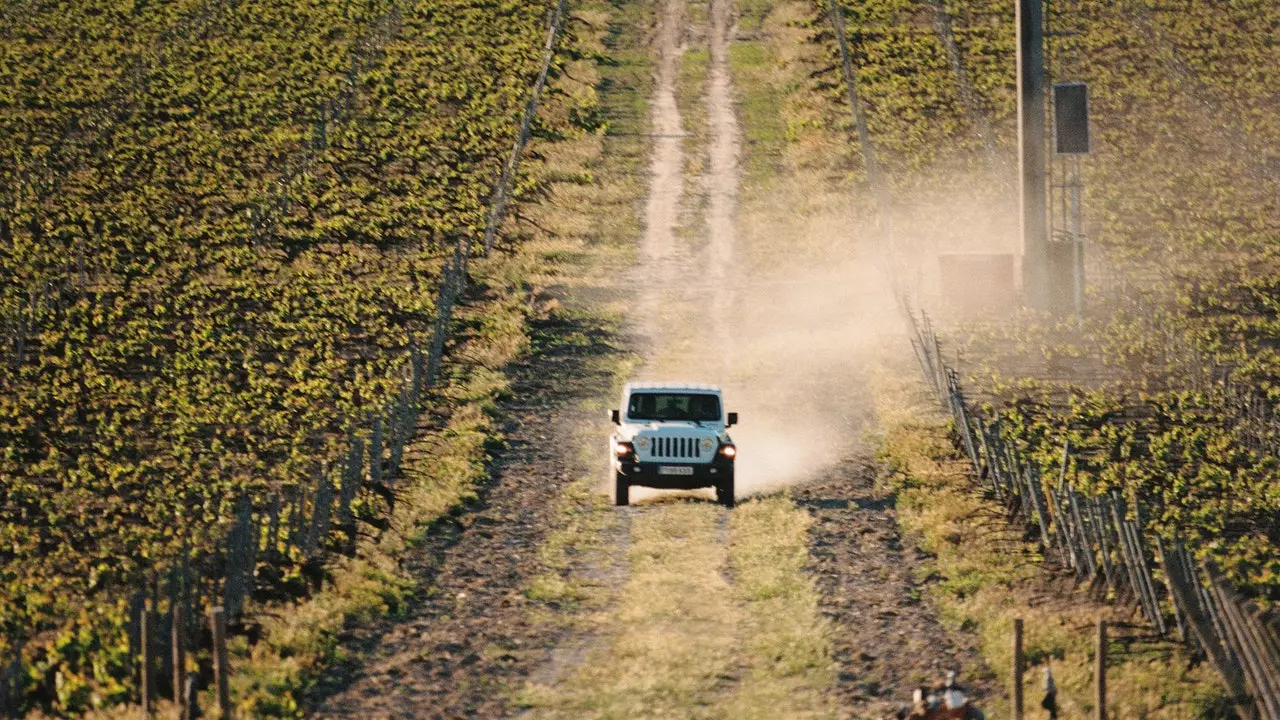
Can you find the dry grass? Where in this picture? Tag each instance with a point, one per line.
(705, 629)
(787, 653)
(673, 631)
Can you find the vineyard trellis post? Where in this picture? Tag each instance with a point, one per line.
(11, 684)
(191, 698)
(221, 666)
(1174, 600)
(1037, 499)
(1086, 543)
(179, 651)
(1100, 671)
(1184, 584)
(1246, 647)
(319, 525)
(236, 555)
(1093, 506)
(1017, 669)
(1148, 579)
(146, 660)
(376, 452)
(353, 473)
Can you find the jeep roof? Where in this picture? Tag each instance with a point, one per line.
(671, 386)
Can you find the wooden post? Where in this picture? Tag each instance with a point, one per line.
(191, 698)
(273, 525)
(218, 619)
(179, 656)
(146, 683)
(1100, 672)
(6, 690)
(1017, 669)
(375, 452)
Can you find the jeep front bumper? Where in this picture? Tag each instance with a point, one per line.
(650, 474)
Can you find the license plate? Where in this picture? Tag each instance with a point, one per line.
(675, 470)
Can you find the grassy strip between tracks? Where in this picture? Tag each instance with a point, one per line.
(787, 640)
(669, 640)
(985, 575)
(717, 618)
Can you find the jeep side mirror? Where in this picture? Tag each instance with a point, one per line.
(615, 417)
(733, 419)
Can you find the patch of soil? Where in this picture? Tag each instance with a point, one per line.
(888, 640)
(468, 637)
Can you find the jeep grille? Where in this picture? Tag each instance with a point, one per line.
(677, 447)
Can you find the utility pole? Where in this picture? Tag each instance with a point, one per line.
(1071, 140)
(1036, 273)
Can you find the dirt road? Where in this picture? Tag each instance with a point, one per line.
(804, 601)
(692, 638)
(666, 186)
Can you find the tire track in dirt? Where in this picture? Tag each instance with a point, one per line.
(655, 273)
(888, 640)
(722, 180)
(469, 638)
(608, 572)
(684, 274)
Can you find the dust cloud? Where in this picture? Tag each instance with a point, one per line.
(781, 298)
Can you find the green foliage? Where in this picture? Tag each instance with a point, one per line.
(222, 227)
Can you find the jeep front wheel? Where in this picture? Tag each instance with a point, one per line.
(621, 490)
(724, 492)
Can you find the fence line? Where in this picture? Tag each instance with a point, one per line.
(1109, 545)
(498, 203)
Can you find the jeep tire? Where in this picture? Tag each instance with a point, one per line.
(724, 492)
(621, 490)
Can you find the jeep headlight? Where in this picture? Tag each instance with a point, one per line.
(707, 445)
(642, 443)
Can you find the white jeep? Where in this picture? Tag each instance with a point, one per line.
(672, 436)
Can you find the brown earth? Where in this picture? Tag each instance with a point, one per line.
(887, 640)
(468, 637)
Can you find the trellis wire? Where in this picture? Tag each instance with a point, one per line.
(1107, 544)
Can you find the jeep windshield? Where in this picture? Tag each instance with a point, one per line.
(694, 407)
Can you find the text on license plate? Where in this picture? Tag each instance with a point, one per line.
(675, 470)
